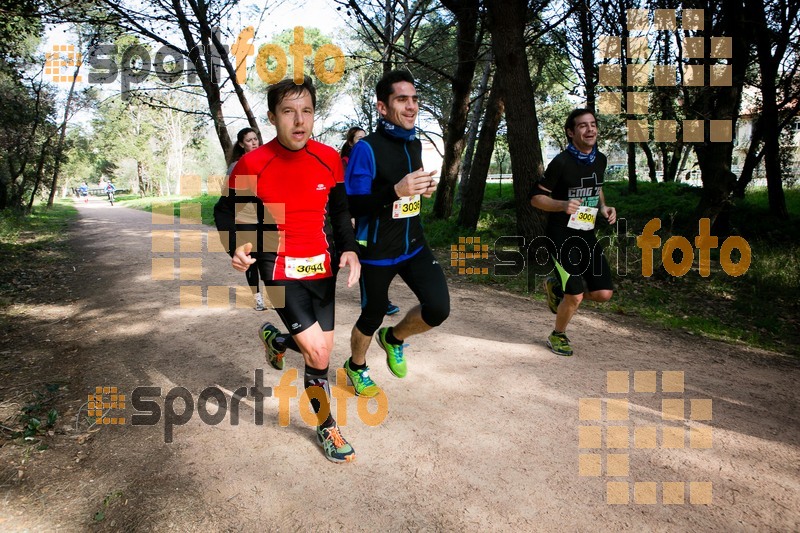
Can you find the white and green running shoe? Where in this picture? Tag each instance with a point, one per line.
(333, 444)
(362, 383)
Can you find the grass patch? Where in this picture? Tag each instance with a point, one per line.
(31, 249)
(147, 203)
(759, 308)
(37, 416)
(39, 229)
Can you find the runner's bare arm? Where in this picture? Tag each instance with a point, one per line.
(241, 259)
(606, 210)
(543, 201)
(350, 260)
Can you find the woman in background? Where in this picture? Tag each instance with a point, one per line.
(247, 141)
(354, 135)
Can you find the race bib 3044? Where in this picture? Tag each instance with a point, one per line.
(303, 267)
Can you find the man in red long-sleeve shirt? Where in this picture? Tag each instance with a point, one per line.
(305, 235)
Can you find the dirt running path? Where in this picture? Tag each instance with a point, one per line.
(483, 434)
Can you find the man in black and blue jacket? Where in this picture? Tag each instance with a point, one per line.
(384, 181)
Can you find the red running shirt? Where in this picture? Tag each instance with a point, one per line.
(294, 187)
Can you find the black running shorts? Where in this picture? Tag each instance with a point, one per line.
(580, 261)
(306, 302)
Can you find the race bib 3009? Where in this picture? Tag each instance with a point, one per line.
(584, 218)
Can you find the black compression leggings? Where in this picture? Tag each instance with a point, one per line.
(424, 277)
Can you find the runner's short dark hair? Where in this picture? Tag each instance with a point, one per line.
(384, 89)
(277, 92)
(570, 123)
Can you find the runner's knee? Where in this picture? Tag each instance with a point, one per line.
(368, 325)
(435, 313)
(319, 355)
(602, 295)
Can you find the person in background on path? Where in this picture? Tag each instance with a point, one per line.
(247, 141)
(110, 190)
(83, 190)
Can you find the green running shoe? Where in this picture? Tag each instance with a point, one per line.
(559, 344)
(275, 348)
(394, 354)
(362, 383)
(333, 444)
(553, 299)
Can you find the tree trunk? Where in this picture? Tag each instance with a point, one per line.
(632, 188)
(466, 13)
(140, 176)
(587, 52)
(651, 163)
(684, 158)
(622, 16)
(718, 180)
(751, 162)
(27, 148)
(39, 175)
(3, 192)
(59, 151)
(672, 161)
(506, 19)
(474, 125)
(388, 31)
(204, 72)
(721, 103)
(15, 189)
(772, 164)
(476, 184)
(231, 70)
(769, 112)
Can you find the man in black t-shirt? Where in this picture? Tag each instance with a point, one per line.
(572, 192)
